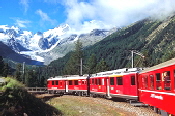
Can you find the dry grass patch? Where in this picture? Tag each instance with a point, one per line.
(81, 106)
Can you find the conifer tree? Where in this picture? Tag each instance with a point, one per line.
(1, 65)
(146, 59)
(5, 70)
(18, 72)
(72, 67)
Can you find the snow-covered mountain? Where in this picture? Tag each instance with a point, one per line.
(38, 46)
(34, 42)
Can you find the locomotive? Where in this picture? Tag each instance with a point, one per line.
(154, 86)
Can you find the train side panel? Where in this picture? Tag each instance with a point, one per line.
(56, 85)
(98, 85)
(78, 85)
(157, 88)
(124, 86)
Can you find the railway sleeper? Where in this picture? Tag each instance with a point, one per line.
(136, 103)
(161, 112)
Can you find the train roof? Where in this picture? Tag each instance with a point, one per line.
(70, 77)
(159, 66)
(117, 73)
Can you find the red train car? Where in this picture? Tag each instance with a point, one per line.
(56, 85)
(157, 87)
(120, 83)
(77, 85)
(124, 84)
(73, 84)
(98, 85)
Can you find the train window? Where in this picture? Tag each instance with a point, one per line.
(166, 80)
(133, 80)
(82, 82)
(96, 82)
(119, 80)
(151, 82)
(70, 82)
(92, 81)
(102, 81)
(99, 81)
(158, 77)
(158, 81)
(145, 82)
(52, 82)
(56, 83)
(112, 81)
(76, 82)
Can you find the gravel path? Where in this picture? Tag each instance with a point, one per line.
(126, 107)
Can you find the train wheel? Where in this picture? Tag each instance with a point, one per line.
(91, 95)
(82, 94)
(79, 93)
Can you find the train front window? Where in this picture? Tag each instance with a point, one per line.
(158, 81)
(166, 79)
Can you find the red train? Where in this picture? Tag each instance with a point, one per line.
(154, 86)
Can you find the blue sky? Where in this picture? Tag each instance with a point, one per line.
(41, 15)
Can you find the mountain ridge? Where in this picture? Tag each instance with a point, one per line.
(43, 46)
(153, 38)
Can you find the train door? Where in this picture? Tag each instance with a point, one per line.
(66, 86)
(112, 85)
(107, 87)
(88, 85)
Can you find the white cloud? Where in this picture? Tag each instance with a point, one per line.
(24, 3)
(21, 23)
(45, 18)
(112, 13)
(52, 1)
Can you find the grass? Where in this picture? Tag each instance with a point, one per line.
(16, 101)
(11, 83)
(77, 106)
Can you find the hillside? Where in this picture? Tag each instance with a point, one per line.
(11, 55)
(154, 38)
